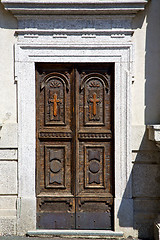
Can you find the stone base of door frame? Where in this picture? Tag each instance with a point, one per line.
(76, 233)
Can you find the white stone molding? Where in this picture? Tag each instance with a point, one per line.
(26, 55)
(154, 134)
(96, 7)
(50, 31)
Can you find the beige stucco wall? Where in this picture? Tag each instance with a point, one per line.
(145, 110)
(8, 124)
(147, 49)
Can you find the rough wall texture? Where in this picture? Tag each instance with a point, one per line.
(8, 125)
(145, 110)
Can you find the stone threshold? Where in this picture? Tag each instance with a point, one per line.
(76, 233)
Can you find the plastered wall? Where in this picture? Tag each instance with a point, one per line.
(8, 125)
(145, 110)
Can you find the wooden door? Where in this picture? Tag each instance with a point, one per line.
(74, 146)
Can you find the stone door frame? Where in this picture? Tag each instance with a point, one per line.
(26, 55)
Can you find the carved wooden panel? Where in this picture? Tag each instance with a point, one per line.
(56, 204)
(86, 135)
(56, 85)
(94, 213)
(74, 146)
(56, 213)
(95, 87)
(94, 167)
(55, 135)
(55, 157)
(54, 169)
(103, 205)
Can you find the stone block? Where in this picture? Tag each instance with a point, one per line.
(8, 212)
(140, 139)
(26, 215)
(8, 180)
(8, 154)
(8, 202)
(147, 205)
(145, 230)
(8, 135)
(145, 213)
(124, 217)
(147, 157)
(146, 180)
(124, 208)
(7, 226)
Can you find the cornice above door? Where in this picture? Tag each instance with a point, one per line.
(73, 7)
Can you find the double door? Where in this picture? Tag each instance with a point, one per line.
(74, 152)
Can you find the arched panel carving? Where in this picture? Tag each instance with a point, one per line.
(56, 85)
(95, 86)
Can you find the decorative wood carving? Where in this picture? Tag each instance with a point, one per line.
(55, 166)
(56, 85)
(95, 86)
(94, 167)
(107, 203)
(95, 135)
(55, 135)
(57, 204)
(74, 138)
(94, 77)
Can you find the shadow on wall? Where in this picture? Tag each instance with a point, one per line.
(7, 20)
(152, 64)
(145, 175)
(144, 182)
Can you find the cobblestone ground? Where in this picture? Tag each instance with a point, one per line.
(59, 238)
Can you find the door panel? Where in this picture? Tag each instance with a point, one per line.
(94, 169)
(55, 160)
(74, 146)
(93, 213)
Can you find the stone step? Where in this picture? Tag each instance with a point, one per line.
(92, 234)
